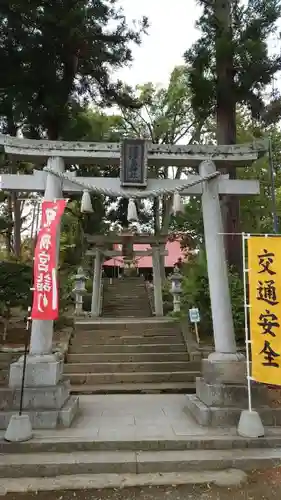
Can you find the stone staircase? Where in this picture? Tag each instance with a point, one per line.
(85, 465)
(129, 355)
(126, 298)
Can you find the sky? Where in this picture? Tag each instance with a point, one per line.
(171, 32)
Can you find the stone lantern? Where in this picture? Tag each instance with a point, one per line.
(79, 290)
(176, 289)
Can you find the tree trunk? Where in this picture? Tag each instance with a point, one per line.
(157, 230)
(9, 232)
(156, 216)
(226, 126)
(17, 224)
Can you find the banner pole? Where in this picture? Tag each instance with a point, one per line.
(28, 319)
(246, 307)
(250, 424)
(24, 360)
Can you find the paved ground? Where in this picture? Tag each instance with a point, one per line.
(134, 417)
(152, 417)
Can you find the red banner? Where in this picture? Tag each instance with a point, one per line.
(45, 296)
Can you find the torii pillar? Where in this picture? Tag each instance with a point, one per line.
(224, 335)
(96, 294)
(221, 391)
(46, 396)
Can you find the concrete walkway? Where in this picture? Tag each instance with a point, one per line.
(121, 441)
(133, 418)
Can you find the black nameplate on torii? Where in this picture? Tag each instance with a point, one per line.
(133, 163)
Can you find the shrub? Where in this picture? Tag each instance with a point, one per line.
(195, 287)
(15, 284)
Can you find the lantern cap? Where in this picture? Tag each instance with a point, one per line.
(176, 276)
(80, 274)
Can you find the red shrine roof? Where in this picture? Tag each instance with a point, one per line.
(173, 247)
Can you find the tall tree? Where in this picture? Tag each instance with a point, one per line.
(56, 55)
(57, 51)
(229, 65)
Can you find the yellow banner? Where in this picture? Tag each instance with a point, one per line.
(264, 265)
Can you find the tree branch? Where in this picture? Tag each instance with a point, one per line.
(129, 122)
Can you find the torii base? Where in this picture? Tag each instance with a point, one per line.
(47, 400)
(221, 397)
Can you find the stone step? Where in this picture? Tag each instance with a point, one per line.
(127, 295)
(136, 388)
(123, 306)
(131, 367)
(68, 443)
(159, 339)
(124, 303)
(126, 292)
(120, 283)
(118, 288)
(121, 332)
(112, 378)
(126, 339)
(125, 300)
(125, 284)
(126, 348)
(125, 323)
(117, 314)
(84, 443)
(130, 462)
(127, 308)
(120, 357)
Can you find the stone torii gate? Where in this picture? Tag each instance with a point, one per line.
(44, 369)
(98, 252)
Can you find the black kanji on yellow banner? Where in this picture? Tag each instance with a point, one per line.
(264, 264)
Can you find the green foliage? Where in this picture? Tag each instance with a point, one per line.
(255, 211)
(118, 214)
(75, 225)
(54, 53)
(166, 116)
(240, 42)
(87, 124)
(196, 294)
(230, 65)
(15, 284)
